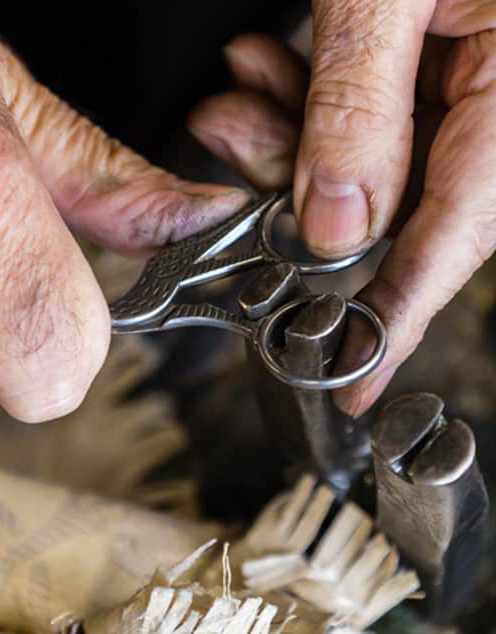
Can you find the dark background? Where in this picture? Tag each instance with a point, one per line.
(136, 67)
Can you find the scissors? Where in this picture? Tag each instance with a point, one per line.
(148, 306)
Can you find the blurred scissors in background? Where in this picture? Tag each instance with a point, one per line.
(148, 306)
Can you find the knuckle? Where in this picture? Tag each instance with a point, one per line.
(459, 18)
(475, 221)
(45, 325)
(472, 69)
(46, 372)
(83, 143)
(348, 32)
(34, 310)
(483, 236)
(352, 86)
(340, 161)
(52, 345)
(12, 152)
(344, 109)
(12, 74)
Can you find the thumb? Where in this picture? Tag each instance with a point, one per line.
(355, 151)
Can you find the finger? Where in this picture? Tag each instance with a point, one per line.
(428, 120)
(54, 323)
(458, 18)
(104, 190)
(250, 132)
(262, 64)
(454, 229)
(355, 151)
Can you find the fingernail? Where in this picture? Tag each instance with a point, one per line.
(335, 216)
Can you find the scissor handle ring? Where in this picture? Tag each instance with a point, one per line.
(322, 383)
(305, 268)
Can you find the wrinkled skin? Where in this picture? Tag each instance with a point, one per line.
(60, 173)
(345, 129)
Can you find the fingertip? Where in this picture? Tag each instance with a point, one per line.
(206, 123)
(357, 399)
(250, 132)
(35, 408)
(201, 110)
(239, 46)
(348, 400)
(263, 64)
(248, 47)
(214, 115)
(358, 347)
(53, 399)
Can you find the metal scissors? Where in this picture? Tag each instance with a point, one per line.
(148, 306)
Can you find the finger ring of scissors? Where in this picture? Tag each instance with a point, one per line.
(265, 347)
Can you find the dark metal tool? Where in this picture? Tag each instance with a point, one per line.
(432, 501)
(306, 427)
(149, 306)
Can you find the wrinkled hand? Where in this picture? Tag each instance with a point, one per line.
(58, 171)
(351, 148)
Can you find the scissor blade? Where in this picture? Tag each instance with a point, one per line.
(206, 245)
(186, 263)
(236, 227)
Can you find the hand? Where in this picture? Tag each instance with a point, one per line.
(351, 150)
(59, 172)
